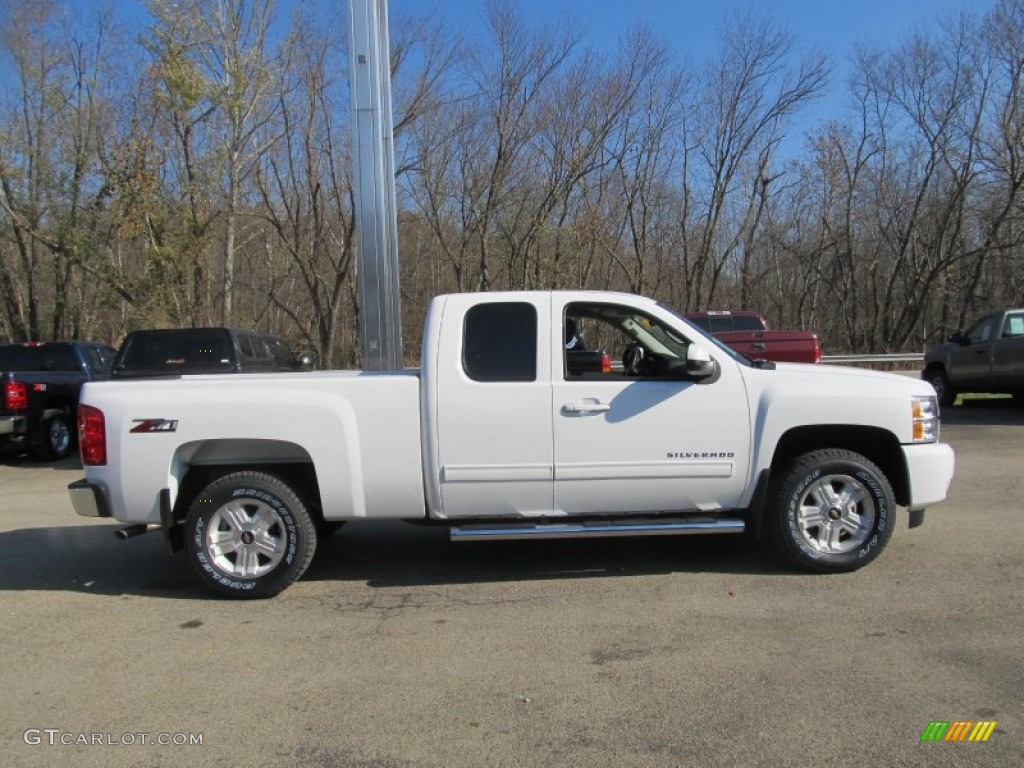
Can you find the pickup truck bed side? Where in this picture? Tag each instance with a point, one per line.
(353, 429)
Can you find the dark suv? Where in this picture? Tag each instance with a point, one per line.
(176, 351)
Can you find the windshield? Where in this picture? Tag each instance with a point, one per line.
(719, 344)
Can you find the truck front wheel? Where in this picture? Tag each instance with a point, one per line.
(249, 535)
(944, 391)
(831, 511)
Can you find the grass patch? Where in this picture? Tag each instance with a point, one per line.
(969, 396)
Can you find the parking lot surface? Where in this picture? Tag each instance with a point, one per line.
(399, 648)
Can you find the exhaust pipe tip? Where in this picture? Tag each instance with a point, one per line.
(130, 531)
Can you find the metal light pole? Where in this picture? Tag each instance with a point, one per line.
(376, 213)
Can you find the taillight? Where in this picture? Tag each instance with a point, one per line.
(92, 436)
(606, 363)
(817, 350)
(16, 395)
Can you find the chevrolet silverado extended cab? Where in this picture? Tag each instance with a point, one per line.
(989, 357)
(507, 432)
(39, 386)
(748, 333)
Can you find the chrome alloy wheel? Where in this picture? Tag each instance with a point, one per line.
(836, 514)
(60, 436)
(246, 538)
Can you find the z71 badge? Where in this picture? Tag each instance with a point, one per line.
(154, 425)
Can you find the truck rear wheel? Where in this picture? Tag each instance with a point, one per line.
(832, 511)
(249, 535)
(55, 439)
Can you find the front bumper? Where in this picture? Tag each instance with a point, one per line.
(88, 499)
(929, 472)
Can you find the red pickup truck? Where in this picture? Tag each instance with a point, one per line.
(748, 333)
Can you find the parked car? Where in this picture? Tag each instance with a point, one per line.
(176, 351)
(39, 387)
(988, 357)
(748, 333)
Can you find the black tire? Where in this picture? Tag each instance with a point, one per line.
(267, 536)
(943, 389)
(55, 439)
(831, 511)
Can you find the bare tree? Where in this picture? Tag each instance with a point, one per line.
(745, 99)
(53, 192)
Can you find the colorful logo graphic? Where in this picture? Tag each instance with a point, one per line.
(958, 730)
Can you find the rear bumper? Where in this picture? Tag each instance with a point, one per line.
(929, 472)
(13, 425)
(88, 499)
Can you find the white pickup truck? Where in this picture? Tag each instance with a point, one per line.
(535, 414)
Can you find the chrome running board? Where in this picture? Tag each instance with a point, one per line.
(668, 527)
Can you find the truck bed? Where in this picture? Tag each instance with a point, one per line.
(361, 431)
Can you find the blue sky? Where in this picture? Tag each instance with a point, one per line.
(836, 25)
(692, 28)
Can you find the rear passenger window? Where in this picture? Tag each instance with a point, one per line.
(98, 359)
(500, 342)
(746, 323)
(247, 346)
(61, 358)
(1014, 326)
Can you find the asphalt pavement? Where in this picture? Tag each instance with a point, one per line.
(399, 648)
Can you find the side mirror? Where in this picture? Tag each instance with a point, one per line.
(958, 338)
(698, 362)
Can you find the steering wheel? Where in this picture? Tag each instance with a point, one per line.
(632, 358)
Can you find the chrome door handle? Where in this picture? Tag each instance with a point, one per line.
(586, 407)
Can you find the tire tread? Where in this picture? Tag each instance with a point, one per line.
(779, 495)
(274, 583)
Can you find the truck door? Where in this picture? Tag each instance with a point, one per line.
(971, 363)
(493, 405)
(641, 436)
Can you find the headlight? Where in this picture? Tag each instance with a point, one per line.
(926, 418)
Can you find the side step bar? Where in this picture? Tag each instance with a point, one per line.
(672, 527)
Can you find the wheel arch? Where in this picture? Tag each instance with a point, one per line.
(196, 465)
(60, 405)
(878, 445)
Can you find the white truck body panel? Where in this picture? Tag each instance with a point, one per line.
(359, 430)
(441, 444)
(490, 441)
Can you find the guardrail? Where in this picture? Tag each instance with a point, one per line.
(897, 357)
